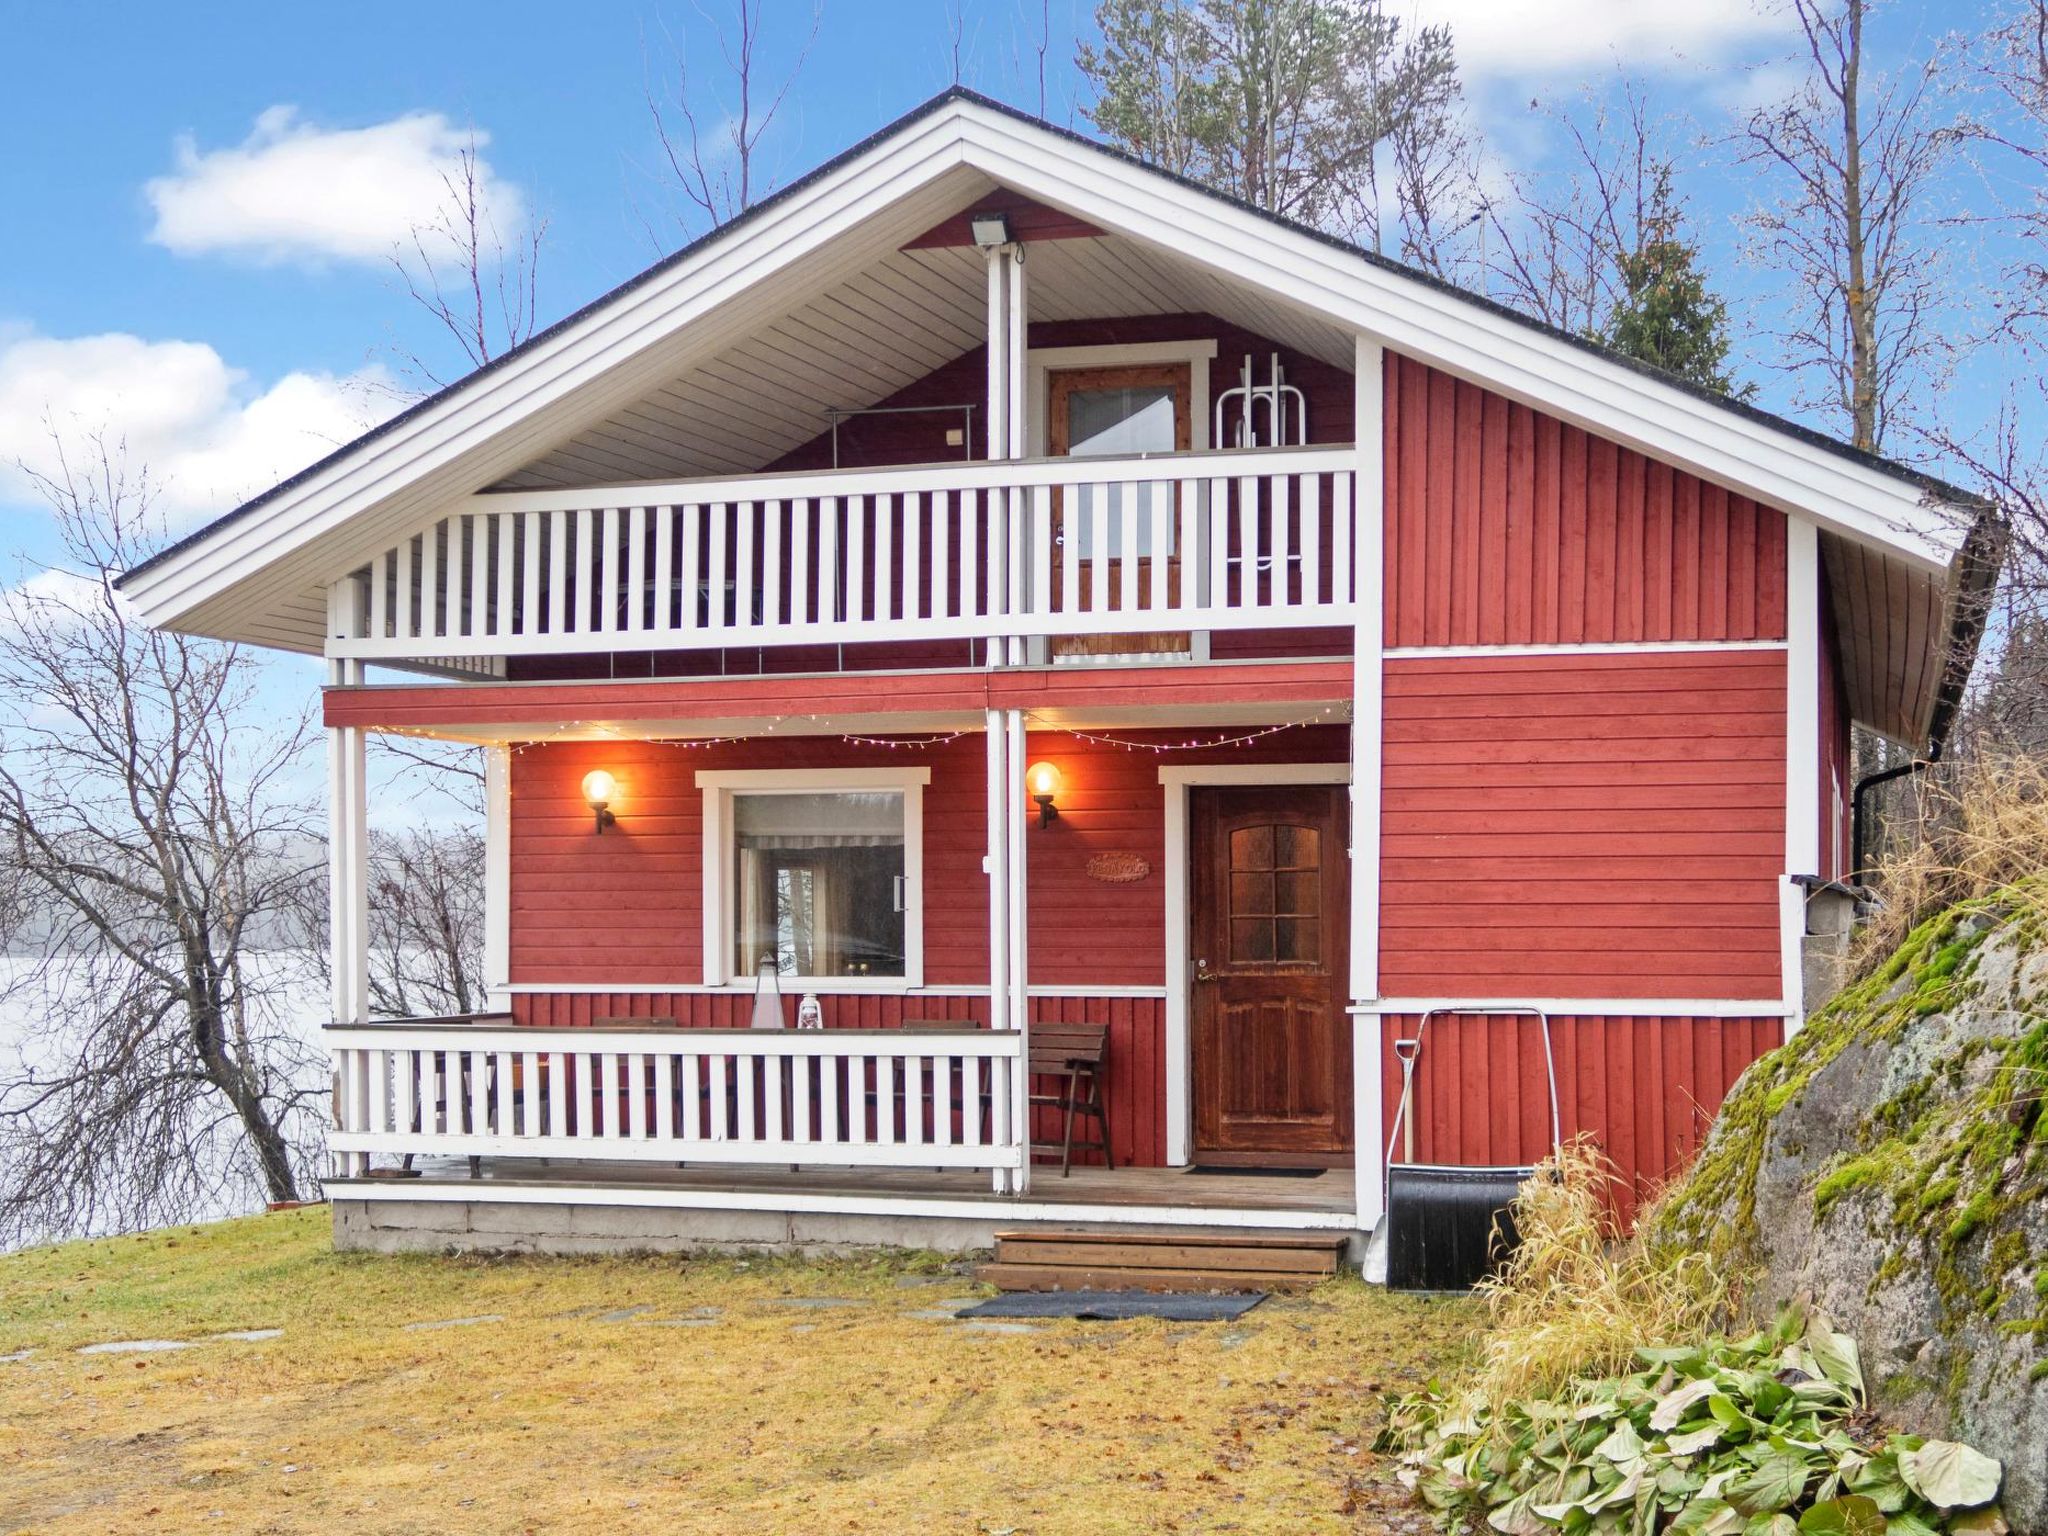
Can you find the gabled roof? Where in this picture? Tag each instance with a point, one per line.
(258, 572)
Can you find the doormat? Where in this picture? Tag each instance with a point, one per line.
(1114, 1306)
(1260, 1173)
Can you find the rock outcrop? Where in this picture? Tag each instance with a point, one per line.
(1891, 1162)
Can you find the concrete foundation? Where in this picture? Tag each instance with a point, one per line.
(481, 1226)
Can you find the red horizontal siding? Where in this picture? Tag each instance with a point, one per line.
(628, 906)
(1646, 1089)
(1508, 527)
(1605, 826)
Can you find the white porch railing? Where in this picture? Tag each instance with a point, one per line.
(1260, 539)
(876, 1098)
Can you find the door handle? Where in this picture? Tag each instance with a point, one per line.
(1202, 971)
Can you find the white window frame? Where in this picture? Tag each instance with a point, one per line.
(720, 785)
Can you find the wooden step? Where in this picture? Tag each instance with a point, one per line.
(1049, 1259)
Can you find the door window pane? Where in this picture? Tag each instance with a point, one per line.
(1119, 423)
(819, 883)
(1276, 895)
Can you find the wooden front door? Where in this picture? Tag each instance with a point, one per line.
(1115, 412)
(1270, 927)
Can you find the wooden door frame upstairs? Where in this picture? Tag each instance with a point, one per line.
(1175, 782)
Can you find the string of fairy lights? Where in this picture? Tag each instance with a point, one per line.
(590, 731)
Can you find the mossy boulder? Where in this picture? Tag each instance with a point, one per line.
(1891, 1163)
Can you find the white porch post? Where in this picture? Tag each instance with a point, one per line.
(996, 863)
(1368, 484)
(1017, 829)
(497, 976)
(348, 864)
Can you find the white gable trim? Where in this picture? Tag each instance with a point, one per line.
(719, 293)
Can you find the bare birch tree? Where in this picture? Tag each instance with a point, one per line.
(479, 285)
(1853, 162)
(153, 840)
(711, 134)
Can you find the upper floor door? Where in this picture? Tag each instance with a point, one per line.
(1116, 412)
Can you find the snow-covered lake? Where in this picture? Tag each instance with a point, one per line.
(29, 1007)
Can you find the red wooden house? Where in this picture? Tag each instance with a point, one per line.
(1384, 651)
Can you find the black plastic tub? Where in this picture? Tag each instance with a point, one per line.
(1448, 1228)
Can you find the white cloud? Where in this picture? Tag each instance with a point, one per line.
(1519, 38)
(294, 192)
(207, 435)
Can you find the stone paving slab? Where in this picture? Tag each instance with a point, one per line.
(135, 1346)
(456, 1322)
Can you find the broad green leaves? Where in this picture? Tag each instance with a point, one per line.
(1757, 1437)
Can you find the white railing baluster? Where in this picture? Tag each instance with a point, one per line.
(1098, 549)
(743, 588)
(589, 562)
(971, 605)
(692, 577)
(380, 595)
(608, 581)
(558, 573)
(856, 559)
(1041, 549)
(636, 570)
(1071, 515)
(1129, 564)
(664, 578)
(1281, 586)
(828, 559)
(773, 580)
(718, 563)
(504, 535)
(1248, 551)
(800, 606)
(402, 628)
(885, 607)
(1311, 504)
(1343, 512)
(480, 576)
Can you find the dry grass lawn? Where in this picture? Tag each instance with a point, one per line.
(721, 1407)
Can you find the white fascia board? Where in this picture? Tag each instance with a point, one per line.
(777, 239)
(1446, 330)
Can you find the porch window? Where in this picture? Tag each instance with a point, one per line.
(820, 887)
(815, 875)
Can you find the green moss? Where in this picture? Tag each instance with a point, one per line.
(1956, 1152)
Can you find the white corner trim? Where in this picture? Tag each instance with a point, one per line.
(1041, 361)
(715, 855)
(1802, 748)
(497, 876)
(1175, 781)
(1368, 729)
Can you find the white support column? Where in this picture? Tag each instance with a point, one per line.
(348, 882)
(1368, 485)
(1015, 762)
(996, 863)
(1802, 753)
(1015, 354)
(497, 878)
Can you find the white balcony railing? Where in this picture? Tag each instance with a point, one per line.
(1261, 539)
(874, 1098)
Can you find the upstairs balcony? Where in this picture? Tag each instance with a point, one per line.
(1075, 557)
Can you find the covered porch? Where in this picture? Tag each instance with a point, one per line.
(624, 1063)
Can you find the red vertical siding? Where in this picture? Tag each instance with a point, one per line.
(1606, 826)
(1646, 1089)
(1507, 527)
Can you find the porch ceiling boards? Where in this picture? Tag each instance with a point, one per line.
(885, 327)
(1095, 697)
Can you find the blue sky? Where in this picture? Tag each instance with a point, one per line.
(197, 200)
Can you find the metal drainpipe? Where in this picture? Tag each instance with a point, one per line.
(1868, 782)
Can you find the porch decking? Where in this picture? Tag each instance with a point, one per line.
(558, 1206)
